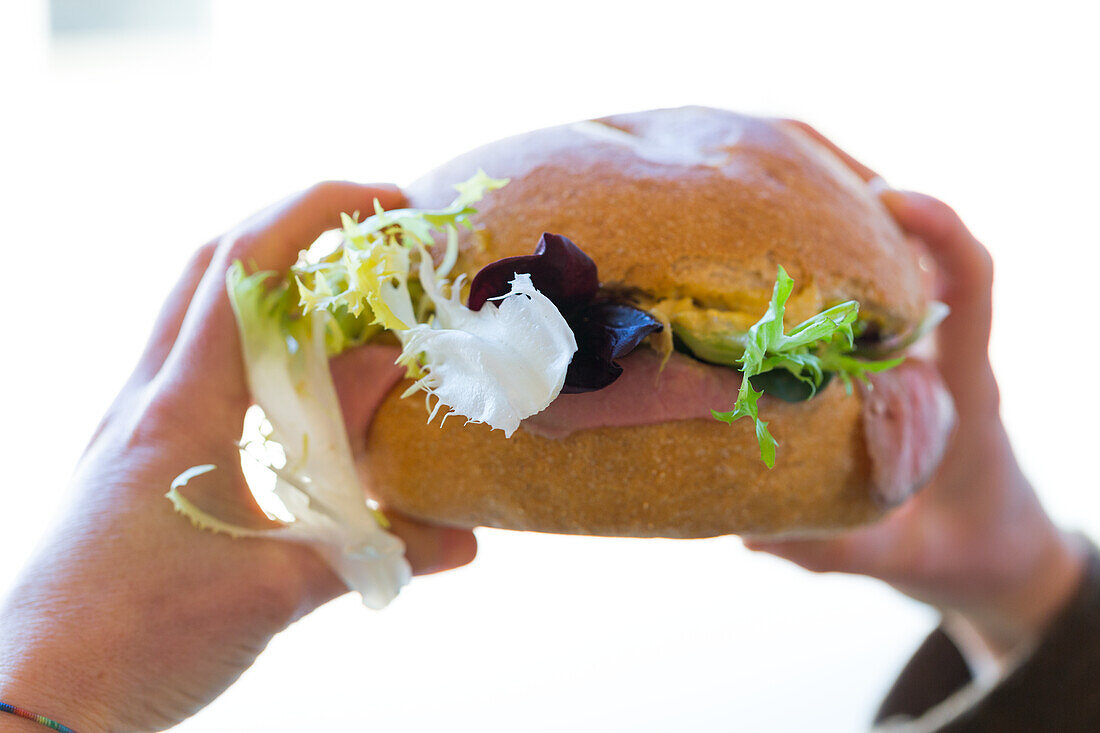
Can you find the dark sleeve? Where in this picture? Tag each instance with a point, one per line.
(1057, 688)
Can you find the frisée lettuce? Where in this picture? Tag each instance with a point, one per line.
(817, 347)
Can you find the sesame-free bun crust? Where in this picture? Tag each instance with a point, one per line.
(684, 203)
(686, 478)
(693, 202)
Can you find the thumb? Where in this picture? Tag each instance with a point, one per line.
(363, 377)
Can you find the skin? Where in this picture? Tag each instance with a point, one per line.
(128, 618)
(975, 542)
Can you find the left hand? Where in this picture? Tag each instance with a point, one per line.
(129, 618)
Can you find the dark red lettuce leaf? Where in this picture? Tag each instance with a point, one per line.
(605, 331)
(558, 269)
(588, 374)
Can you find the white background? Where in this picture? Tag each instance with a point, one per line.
(119, 155)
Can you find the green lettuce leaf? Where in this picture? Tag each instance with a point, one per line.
(815, 347)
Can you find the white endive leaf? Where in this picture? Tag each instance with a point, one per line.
(288, 374)
(498, 365)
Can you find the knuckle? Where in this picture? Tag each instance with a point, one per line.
(946, 225)
(205, 252)
(945, 217)
(237, 245)
(987, 256)
(156, 416)
(202, 257)
(804, 126)
(984, 261)
(323, 190)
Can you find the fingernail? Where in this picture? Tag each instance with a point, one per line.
(756, 545)
(892, 199)
(878, 186)
(459, 547)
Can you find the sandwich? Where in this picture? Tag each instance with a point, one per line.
(674, 323)
(699, 218)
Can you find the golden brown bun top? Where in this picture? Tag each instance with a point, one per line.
(693, 203)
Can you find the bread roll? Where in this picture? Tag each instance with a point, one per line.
(683, 203)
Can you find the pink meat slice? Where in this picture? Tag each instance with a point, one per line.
(908, 417)
(907, 412)
(642, 395)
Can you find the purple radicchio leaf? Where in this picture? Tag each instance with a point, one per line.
(559, 270)
(605, 330)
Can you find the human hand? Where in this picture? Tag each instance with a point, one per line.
(129, 618)
(975, 541)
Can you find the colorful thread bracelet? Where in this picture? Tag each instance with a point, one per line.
(40, 719)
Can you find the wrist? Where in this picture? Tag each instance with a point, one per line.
(59, 707)
(44, 667)
(1021, 615)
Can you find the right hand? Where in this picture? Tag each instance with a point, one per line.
(975, 541)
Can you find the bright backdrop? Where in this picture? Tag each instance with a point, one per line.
(119, 154)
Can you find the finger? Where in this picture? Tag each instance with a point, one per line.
(363, 377)
(167, 325)
(433, 549)
(207, 350)
(428, 548)
(818, 556)
(966, 268)
(858, 168)
(855, 552)
(965, 283)
(273, 238)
